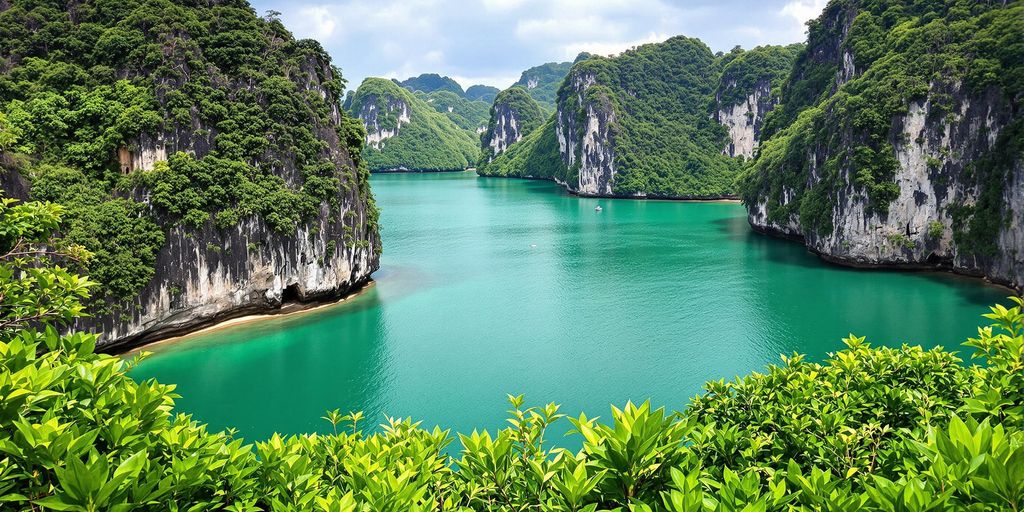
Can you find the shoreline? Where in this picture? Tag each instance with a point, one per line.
(419, 171)
(681, 199)
(951, 270)
(287, 310)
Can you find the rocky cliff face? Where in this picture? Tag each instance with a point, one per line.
(207, 275)
(219, 179)
(940, 186)
(376, 130)
(744, 119)
(586, 142)
(406, 133)
(513, 115)
(506, 130)
(213, 274)
(934, 177)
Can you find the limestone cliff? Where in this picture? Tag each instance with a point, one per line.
(405, 133)
(749, 88)
(661, 120)
(923, 174)
(213, 273)
(744, 119)
(373, 114)
(217, 180)
(514, 114)
(586, 140)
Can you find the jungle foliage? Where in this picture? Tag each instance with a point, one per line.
(868, 429)
(246, 103)
(658, 99)
(470, 115)
(543, 81)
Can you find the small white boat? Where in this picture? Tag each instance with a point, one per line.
(598, 208)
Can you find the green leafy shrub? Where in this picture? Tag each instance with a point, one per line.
(869, 429)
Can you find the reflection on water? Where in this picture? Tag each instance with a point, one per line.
(493, 286)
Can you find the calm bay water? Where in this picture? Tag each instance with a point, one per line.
(490, 286)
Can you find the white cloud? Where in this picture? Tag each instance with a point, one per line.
(314, 21)
(801, 11)
(567, 28)
(571, 50)
(492, 41)
(503, 5)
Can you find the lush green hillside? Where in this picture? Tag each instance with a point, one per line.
(657, 137)
(430, 82)
(86, 88)
(666, 144)
(404, 132)
(513, 115)
(837, 115)
(468, 114)
(868, 430)
(484, 93)
(542, 81)
(535, 156)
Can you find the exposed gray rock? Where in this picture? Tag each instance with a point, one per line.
(933, 154)
(369, 114)
(586, 142)
(207, 275)
(744, 119)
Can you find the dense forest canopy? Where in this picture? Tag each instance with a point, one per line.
(431, 82)
(484, 93)
(85, 86)
(543, 81)
(743, 69)
(470, 115)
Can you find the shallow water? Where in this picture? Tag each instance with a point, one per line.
(491, 286)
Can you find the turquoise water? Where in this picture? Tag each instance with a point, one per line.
(490, 286)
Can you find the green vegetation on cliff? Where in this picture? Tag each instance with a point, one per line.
(743, 69)
(865, 62)
(542, 82)
(484, 93)
(404, 132)
(235, 93)
(666, 144)
(431, 82)
(656, 101)
(535, 156)
(869, 430)
(469, 115)
(518, 104)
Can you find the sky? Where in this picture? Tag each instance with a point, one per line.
(492, 41)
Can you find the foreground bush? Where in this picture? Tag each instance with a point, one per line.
(872, 429)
